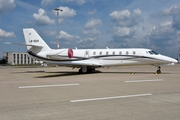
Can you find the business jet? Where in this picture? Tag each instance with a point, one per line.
(87, 60)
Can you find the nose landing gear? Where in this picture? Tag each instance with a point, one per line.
(158, 70)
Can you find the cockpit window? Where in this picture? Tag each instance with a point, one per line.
(152, 53)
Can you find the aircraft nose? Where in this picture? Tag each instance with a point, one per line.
(172, 60)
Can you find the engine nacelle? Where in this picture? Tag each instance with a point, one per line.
(70, 53)
(62, 54)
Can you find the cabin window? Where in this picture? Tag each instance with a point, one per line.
(127, 52)
(120, 52)
(113, 52)
(100, 53)
(134, 52)
(94, 53)
(107, 53)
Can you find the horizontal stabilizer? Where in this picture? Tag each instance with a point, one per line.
(23, 44)
(32, 45)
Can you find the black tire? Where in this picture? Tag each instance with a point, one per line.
(158, 72)
(90, 70)
(80, 71)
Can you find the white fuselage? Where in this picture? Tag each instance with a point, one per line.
(103, 57)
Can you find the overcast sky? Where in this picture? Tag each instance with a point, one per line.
(153, 24)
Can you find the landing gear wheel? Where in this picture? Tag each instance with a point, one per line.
(158, 70)
(83, 70)
(80, 71)
(86, 70)
(90, 70)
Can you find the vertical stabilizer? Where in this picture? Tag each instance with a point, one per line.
(34, 42)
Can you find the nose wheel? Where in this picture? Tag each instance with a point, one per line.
(158, 70)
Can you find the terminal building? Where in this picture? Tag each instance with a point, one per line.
(15, 58)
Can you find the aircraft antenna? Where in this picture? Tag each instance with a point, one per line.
(57, 37)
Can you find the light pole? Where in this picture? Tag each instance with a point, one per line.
(179, 54)
(58, 42)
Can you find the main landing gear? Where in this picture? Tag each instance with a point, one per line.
(158, 70)
(84, 70)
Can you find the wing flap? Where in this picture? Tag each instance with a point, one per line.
(31, 45)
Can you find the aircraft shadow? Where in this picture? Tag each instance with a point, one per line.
(131, 72)
(44, 74)
(28, 72)
(61, 74)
